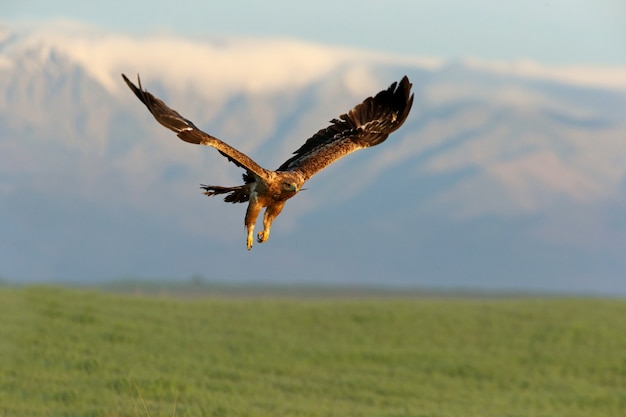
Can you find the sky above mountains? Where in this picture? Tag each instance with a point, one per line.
(559, 32)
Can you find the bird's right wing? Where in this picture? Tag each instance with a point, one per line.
(366, 125)
(187, 131)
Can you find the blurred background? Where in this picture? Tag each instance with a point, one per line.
(509, 174)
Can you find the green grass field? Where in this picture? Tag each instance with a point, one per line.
(95, 353)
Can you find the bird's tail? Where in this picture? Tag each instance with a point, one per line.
(239, 194)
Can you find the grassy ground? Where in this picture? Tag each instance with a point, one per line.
(89, 353)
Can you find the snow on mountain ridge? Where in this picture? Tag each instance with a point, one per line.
(218, 66)
(223, 65)
(583, 75)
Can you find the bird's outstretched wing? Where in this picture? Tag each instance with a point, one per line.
(187, 131)
(368, 124)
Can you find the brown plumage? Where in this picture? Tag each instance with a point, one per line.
(368, 124)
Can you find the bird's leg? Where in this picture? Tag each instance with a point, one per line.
(250, 240)
(270, 214)
(254, 208)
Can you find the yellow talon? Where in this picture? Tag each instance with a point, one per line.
(262, 236)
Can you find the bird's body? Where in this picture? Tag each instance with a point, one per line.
(368, 124)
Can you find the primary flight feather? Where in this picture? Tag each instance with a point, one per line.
(366, 125)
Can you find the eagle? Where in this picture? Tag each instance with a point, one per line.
(367, 124)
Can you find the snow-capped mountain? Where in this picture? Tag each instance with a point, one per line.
(505, 175)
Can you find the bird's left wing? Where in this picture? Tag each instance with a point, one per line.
(368, 124)
(187, 131)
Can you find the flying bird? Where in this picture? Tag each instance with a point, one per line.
(368, 124)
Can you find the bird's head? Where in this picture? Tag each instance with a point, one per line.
(290, 184)
(290, 187)
(285, 184)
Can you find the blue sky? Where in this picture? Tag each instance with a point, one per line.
(563, 32)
